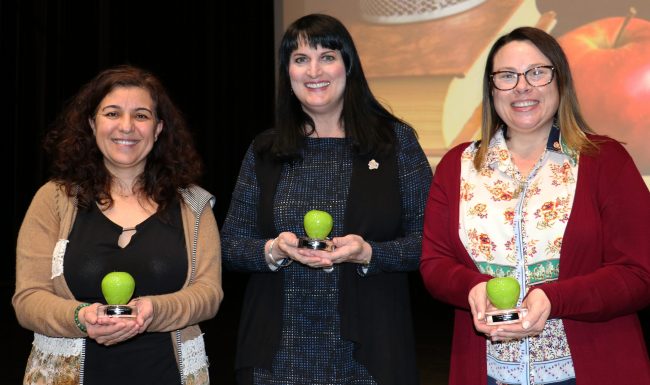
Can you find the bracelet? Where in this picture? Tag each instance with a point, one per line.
(283, 262)
(76, 317)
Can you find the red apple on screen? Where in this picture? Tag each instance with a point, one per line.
(610, 65)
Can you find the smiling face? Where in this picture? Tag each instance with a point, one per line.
(318, 79)
(525, 109)
(125, 129)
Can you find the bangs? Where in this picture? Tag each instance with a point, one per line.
(313, 40)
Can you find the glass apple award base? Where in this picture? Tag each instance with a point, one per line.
(505, 316)
(117, 311)
(316, 244)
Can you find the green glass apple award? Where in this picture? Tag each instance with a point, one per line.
(318, 225)
(503, 292)
(117, 287)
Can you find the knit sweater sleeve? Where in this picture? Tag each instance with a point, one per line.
(605, 260)
(198, 300)
(38, 302)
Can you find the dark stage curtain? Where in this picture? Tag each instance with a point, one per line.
(216, 59)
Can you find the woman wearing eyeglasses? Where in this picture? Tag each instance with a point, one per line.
(543, 199)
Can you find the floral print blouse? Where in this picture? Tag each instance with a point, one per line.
(512, 225)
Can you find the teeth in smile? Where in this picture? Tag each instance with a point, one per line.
(317, 85)
(124, 141)
(525, 103)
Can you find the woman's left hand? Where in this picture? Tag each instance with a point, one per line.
(145, 313)
(539, 308)
(350, 248)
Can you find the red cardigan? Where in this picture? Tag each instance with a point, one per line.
(604, 274)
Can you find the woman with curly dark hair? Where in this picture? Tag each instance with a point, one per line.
(122, 197)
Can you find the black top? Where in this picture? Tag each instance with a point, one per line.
(157, 259)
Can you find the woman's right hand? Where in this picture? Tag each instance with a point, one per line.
(107, 330)
(479, 304)
(286, 246)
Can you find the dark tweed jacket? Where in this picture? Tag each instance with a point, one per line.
(375, 309)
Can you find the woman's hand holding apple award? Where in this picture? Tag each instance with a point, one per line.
(478, 305)
(539, 308)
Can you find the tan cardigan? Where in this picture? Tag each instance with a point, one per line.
(43, 302)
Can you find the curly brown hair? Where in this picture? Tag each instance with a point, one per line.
(78, 165)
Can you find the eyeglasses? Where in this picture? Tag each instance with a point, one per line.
(536, 77)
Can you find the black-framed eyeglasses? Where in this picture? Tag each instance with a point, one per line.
(537, 77)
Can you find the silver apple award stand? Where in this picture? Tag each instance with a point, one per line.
(118, 287)
(318, 224)
(503, 293)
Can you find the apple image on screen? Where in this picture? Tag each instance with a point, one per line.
(318, 224)
(610, 65)
(503, 292)
(118, 287)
